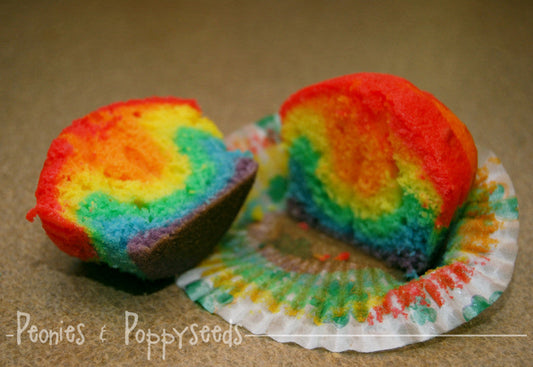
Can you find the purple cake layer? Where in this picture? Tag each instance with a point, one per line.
(166, 251)
(407, 260)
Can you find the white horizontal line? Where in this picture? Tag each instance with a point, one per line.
(392, 335)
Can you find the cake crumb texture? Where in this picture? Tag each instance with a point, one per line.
(378, 162)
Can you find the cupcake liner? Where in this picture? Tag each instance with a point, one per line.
(279, 278)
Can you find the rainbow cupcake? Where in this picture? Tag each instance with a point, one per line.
(379, 163)
(146, 186)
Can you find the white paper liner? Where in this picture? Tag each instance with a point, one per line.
(314, 303)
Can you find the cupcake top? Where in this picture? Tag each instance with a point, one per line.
(125, 169)
(404, 140)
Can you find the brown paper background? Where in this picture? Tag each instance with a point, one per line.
(240, 60)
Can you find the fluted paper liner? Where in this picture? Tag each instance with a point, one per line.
(278, 278)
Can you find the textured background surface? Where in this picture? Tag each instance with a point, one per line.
(240, 60)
